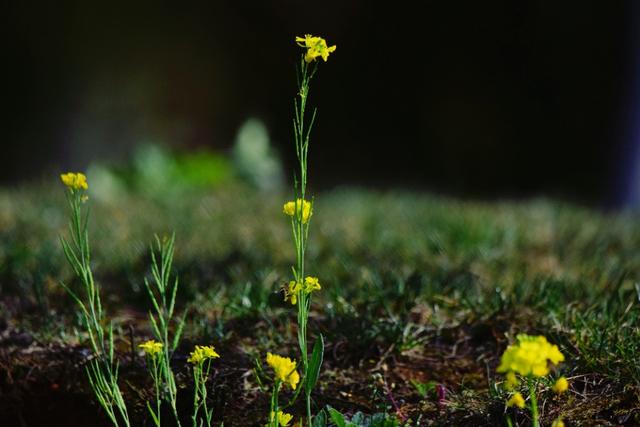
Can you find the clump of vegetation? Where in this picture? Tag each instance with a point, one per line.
(417, 301)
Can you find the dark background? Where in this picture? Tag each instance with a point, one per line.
(480, 99)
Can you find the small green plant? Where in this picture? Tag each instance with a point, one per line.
(424, 389)
(357, 420)
(201, 358)
(103, 368)
(529, 359)
(162, 294)
(300, 210)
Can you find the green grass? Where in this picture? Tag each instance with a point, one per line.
(406, 277)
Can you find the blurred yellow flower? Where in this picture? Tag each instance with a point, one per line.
(311, 284)
(511, 381)
(283, 418)
(74, 181)
(316, 46)
(284, 368)
(293, 208)
(202, 353)
(558, 423)
(516, 400)
(530, 356)
(561, 385)
(151, 347)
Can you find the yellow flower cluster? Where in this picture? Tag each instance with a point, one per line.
(283, 418)
(151, 347)
(516, 400)
(74, 181)
(285, 369)
(561, 385)
(316, 47)
(310, 284)
(293, 209)
(202, 353)
(530, 356)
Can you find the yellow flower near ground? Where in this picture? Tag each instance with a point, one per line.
(516, 400)
(558, 423)
(284, 368)
(202, 353)
(75, 181)
(151, 347)
(316, 47)
(293, 208)
(530, 356)
(561, 385)
(283, 418)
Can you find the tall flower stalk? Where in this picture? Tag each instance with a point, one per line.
(102, 371)
(300, 210)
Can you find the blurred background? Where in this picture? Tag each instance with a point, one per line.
(479, 99)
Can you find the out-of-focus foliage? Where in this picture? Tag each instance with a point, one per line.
(254, 159)
(382, 256)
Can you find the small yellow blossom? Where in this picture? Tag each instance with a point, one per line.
(284, 368)
(293, 289)
(530, 356)
(561, 385)
(511, 381)
(316, 46)
(516, 400)
(558, 423)
(311, 284)
(202, 353)
(291, 292)
(74, 181)
(283, 418)
(151, 347)
(293, 209)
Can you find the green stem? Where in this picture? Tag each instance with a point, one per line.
(196, 387)
(534, 402)
(308, 396)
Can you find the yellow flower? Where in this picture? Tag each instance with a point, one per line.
(516, 400)
(530, 356)
(558, 423)
(283, 418)
(202, 353)
(151, 347)
(316, 46)
(293, 209)
(561, 385)
(311, 284)
(291, 293)
(284, 368)
(74, 181)
(511, 381)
